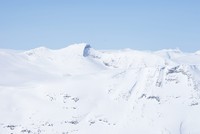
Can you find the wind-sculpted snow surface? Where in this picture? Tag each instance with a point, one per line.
(80, 90)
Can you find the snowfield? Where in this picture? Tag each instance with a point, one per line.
(80, 90)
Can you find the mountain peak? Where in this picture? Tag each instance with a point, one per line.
(81, 49)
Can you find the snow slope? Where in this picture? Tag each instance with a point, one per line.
(80, 90)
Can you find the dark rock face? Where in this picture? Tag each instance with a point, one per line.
(86, 50)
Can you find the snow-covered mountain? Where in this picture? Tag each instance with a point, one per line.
(80, 90)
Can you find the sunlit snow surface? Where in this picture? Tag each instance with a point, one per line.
(80, 90)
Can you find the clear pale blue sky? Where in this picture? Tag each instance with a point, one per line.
(105, 24)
